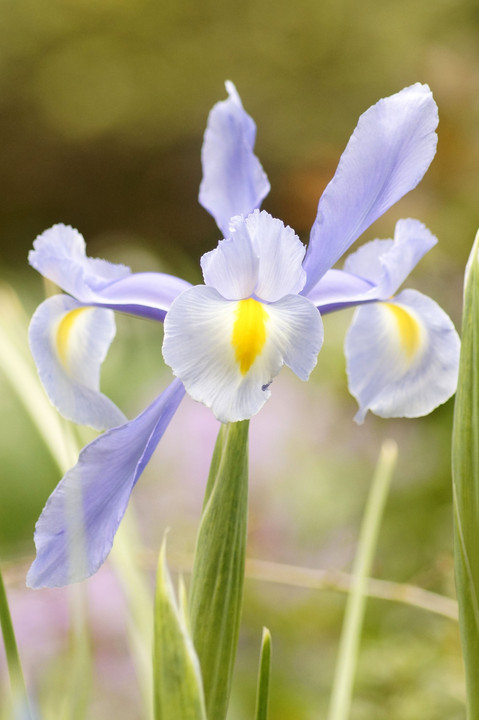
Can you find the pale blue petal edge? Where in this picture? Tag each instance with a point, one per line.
(75, 531)
(263, 257)
(385, 386)
(59, 254)
(386, 156)
(234, 182)
(387, 263)
(74, 392)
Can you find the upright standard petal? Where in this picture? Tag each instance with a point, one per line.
(387, 263)
(387, 155)
(69, 342)
(263, 257)
(375, 271)
(234, 183)
(227, 353)
(59, 254)
(75, 531)
(402, 357)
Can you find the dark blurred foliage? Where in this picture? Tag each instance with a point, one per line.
(103, 106)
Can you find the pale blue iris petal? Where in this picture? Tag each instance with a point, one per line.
(387, 263)
(263, 257)
(387, 377)
(232, 267)
(280, 253)
(338, 289)
(198, 346)
(59, 255)
(234, 183)
(298, 332)
(148, 294)
(69, 356)
(387, 155)
(75, 531)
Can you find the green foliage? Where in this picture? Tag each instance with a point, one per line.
(178, 692)
(262, 696)
(20, 704)
(218, 572)
(465, 463)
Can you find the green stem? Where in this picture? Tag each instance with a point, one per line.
(216, 593)
(353, 619)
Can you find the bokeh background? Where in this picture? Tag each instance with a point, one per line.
(102, 109)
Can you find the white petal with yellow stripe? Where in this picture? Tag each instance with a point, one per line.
(227, 352)
(69, 342)
(402, 356)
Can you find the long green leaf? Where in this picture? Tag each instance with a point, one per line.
(343, 682)
(20, 703)
(262, 694)
(178, 692)
(216, 593)
(465, 472)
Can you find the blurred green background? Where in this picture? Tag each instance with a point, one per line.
(102, 109)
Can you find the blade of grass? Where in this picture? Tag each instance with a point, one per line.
(465, 477)
(20, 702)
(262, 693)
(178, 690)
(354, 614)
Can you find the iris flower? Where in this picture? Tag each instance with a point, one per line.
(259, 308)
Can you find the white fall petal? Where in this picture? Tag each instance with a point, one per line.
(69, 342)
(227, 352)
(402, 357)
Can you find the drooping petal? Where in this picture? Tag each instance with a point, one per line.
(69, 342)
(59, 254)
(227, 353)
(386, 156)
(75, 531)
(402, 357)
(234, 183)
(387, 263)
(263, 257)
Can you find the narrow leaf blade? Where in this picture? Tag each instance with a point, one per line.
(216, 593)
(465, 472)
(262, 695)
(178, 691)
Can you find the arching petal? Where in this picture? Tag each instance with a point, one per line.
(402, 357)
(280, 253)
(234, 183)
(75, 531)
(387, 263)
(227, 353)
(338, 289)
(263, 257)
(69, 342)
(232, 267)
(59, 255)
(386, 156)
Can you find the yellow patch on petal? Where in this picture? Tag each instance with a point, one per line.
(409, 329)
(64, 330)
(249, 332)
